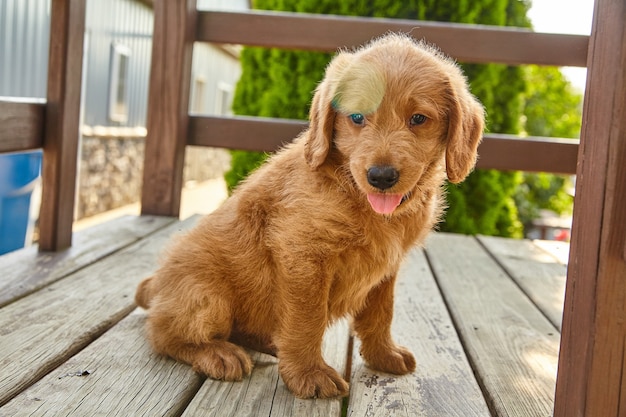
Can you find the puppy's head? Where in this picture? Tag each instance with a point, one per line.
(394, 111)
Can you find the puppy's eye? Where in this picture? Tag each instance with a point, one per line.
(417, 119)
(358, 119)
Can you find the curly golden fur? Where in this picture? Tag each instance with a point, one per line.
(319, 232)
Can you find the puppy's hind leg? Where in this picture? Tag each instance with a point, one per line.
(144, 293)
(218, 359)
(199, 337)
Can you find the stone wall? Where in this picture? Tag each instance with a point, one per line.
(111, 169)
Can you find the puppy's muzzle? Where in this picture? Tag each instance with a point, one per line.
(382, 177)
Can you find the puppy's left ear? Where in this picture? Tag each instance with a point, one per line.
(465, 131)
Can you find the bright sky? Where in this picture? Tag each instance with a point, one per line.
(564, 16)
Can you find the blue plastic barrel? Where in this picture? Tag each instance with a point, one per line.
(19, 175)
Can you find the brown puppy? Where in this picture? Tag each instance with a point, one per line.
(319, 231)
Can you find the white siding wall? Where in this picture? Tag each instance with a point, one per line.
(128, 23)
(24, 35)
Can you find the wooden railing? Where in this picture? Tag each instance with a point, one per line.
(21, 124)
(466, 43)
(498, 151)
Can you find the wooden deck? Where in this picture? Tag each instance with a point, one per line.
(481, 314)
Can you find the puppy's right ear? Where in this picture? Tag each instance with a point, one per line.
(322, 114)
(321, 127)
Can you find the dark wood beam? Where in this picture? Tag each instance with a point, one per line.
(504, 152)
(21, 124)
(530, 154)
(168, 101)
(67, 28)
(466, 43)
(592, 363)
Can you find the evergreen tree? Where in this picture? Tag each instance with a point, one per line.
(552, 107)
(278, 83)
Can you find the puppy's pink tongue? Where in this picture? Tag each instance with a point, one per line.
(384, 203)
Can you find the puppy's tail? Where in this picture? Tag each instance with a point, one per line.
(144, 293)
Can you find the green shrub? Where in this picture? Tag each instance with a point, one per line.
(242, 163)
(278, 83)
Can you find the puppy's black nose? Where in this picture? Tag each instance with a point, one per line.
(382, 177)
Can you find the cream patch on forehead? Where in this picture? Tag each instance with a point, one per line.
(360, 89)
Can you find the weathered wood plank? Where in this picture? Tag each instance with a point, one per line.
(21, 124)
(44, 329)
(168, 102)
(251, 397)
(513, 348)
(443, 384)
(60, 156)
(27, 270)
(532, 154)
(466, 43)
(264, 393)
(592, 374)
(117, 375)
(536, 272)
(558, 249)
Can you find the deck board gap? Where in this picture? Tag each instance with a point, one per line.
(187, 401)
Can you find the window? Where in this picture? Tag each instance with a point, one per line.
(223, 99)
(199, 88)
(118, 89)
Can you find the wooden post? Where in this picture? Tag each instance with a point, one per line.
(592, 365)
(168, 100)
(67, 28)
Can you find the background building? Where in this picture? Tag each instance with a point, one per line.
(116, 70)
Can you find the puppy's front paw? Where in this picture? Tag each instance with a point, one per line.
(395, 360)
(319, 382)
